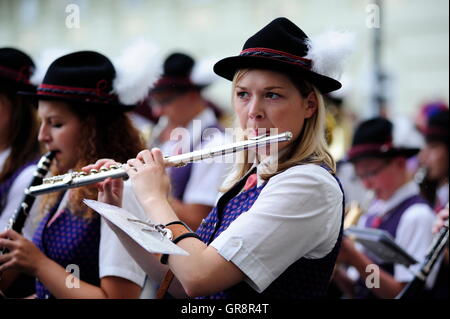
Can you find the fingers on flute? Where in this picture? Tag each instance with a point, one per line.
(157, 156)
(145, 156)
(97, 165)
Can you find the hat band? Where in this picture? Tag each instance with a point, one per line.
(278, 55)
(17, 76)
(173, 81)
(89, 95)
(368, 148)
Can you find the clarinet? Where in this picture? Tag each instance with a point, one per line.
(19, 217)
(416, 286)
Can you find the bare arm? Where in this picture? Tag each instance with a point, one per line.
(388, 286)
(191, 214)
(24, 256)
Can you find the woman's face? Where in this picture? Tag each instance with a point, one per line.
(60, 132)
(265, 100)
(381, 176)
(434, 156)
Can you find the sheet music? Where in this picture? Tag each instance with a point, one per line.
(380, 243)
(147, 242)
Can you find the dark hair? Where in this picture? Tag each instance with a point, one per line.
(22, 136)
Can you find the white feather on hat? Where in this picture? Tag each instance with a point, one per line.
(136, 70)
(43, 62)
(328, 52)
(202, 73)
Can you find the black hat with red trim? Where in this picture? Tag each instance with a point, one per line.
(16, 68)
(282, 46)
(84, 77)
(375, 138)
(436, 129)
(177, 74)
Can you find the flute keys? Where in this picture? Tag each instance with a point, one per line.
(93, 171)
(103, 169)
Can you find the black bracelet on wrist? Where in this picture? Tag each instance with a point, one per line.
(179, 222)
(181, 237)
(165, 257)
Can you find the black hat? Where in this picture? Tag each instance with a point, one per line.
(16, 68)
(177, 71)
(437, 127)
(280, 46)
(374, 138)
(85, 77)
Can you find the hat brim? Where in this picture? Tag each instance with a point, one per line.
(174, 87)
(227, 68)
(17, 86)
(118, 106)
(396, 152)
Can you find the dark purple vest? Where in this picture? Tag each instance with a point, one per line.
(389, 223)
(179, 176)
(70, 240)
(304, 279)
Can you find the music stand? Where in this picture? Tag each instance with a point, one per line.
(381, 244)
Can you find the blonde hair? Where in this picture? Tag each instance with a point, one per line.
(309, 147)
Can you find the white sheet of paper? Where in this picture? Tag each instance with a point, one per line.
(152, 242)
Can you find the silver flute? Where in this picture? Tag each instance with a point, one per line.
(77, 179)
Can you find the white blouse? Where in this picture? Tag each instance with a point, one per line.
(297, 214)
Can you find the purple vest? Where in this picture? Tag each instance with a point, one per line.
(304, 279)
(389, 223)
(70, 240)
(179, 176)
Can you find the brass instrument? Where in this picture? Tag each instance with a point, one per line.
(353, 214)
(355, 210)
(77, 179)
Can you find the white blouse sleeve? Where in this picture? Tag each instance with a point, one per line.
(414, 234)
(114, 258)
(15, 195)
(297, 214)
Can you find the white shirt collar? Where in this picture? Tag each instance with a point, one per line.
(381, 207)
(267, 165)
(3, 156)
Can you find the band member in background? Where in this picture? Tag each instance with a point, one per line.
(82, 120)
(277, 230)
(19, 147)
(434, 157)
(380, 161)
(178, 101)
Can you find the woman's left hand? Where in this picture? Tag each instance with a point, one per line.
(22, 254)
(148, 176)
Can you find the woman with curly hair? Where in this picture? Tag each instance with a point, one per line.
(82, 120)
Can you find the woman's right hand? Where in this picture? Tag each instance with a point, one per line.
(110, 191)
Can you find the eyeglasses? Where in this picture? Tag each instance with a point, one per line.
(372, 172)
